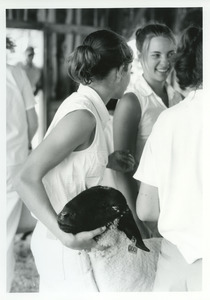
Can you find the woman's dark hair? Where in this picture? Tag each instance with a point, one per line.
(100, 52)
(189, 59)
(146, 33)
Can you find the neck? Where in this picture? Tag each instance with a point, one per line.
(103, 92)
(157, 86)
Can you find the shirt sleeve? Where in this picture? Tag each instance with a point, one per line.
(146, 171)
(25, 87)
(149, 169)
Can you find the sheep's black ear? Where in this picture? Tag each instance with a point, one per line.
(129, 227)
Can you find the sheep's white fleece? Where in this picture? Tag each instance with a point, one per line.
(118, 270)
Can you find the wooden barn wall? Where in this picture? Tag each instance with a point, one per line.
(64, 29)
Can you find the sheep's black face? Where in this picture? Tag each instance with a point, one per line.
(91, 209)
(96, 207)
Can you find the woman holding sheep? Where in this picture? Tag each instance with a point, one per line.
(72, 158)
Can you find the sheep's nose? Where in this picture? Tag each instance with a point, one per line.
(63, 215)
(67, 215)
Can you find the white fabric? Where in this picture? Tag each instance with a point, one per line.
(151, 107)
(33, 73)
(14, 208)
(81, 169)
(172, 161)
(113, 270)
(183, 277)
(62, 269)
(19, 98)
(110, 176)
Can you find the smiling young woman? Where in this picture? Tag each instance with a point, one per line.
(147, 95)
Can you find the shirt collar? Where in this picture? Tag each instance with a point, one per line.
(97, 102)
(146, 90)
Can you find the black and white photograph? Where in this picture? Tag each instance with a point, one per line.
(105, 189)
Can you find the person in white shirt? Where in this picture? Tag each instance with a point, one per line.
(147, 95)
(71, 158)
(33, 72)
(170, 172)
(21, 125)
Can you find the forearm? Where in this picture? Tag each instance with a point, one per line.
(32, 121)
(34, 196)
(148, 203)
(128, 187)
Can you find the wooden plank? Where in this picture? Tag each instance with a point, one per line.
(65, 28)
(51, 27)
(25, 25)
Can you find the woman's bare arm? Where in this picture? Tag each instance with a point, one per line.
(125, 126)
(69, 134)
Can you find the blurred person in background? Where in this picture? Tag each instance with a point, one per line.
(35, 76)
(21, 125)
(33, 72)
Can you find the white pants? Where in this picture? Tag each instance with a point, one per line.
(61, 270)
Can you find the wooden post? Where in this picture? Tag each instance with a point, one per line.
(52, 52)
(51, 76)
(25, 15)
(64, 81)
(78, 37)
(41, 15)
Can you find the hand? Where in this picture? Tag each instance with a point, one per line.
(121, 161)
(83, 240)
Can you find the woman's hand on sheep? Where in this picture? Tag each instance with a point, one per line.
(121, 161)
(83, 240)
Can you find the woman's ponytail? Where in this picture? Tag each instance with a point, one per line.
(81, 63)
(102, 51)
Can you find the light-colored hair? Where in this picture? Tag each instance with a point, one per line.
(146, 33)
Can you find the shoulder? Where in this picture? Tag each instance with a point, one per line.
(75, 107)
(128, 110)
(86, 116)
(129, 102)
(78, 124)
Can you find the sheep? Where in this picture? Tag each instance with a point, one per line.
(127, 263)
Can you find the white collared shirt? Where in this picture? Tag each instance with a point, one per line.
(172, 161)
(151, 107)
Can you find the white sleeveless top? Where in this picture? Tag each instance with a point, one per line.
(151, 107)
(81, 169)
